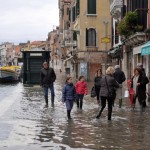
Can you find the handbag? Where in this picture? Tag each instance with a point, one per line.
(126, 93)
(93, 92)
(111, 94)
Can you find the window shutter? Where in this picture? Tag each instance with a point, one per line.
(90, 37)
(95, 37)
(78, 7)
(74, 36)
(91, 6)
(123, 11)
(87, 37)
(73, 14)
(116, 34)
(69, 16)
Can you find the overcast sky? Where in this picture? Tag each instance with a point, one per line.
(23, 20)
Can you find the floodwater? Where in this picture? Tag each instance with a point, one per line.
(26, 124)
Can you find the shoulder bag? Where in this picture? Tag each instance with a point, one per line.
(93, 92)
(111, 94)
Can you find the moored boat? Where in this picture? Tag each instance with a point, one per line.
(9, 73)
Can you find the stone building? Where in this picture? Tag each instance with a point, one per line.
(7, 54)
(88, 36)
(134, 48)
(53, 46)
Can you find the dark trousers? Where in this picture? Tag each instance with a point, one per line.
(80, 100)
(51, 87)
(69, 106)
(97, 90)
(103, 105)
(141, 102)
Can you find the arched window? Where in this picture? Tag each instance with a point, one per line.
(90, 37)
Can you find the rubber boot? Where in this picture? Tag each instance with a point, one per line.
(77, 103)
(109, 115)
(99, 114)
(98, 102)
(133, 107)
(120, 103)
(46, 100)
(52, 101)
(113, 103)
(81, 104)
(68, 114)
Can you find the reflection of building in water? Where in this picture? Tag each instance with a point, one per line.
(47, 133)
(78, 135)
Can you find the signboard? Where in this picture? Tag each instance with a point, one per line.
(70, 44)
(35, 54)
(116, 4)
(146, 49)
(105, 40)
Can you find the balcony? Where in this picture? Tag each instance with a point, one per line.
(136, 39)
(115, 4)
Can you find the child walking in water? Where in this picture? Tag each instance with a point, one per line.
(81, 90)
(69, 95)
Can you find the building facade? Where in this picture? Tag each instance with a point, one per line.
(7, 54)
(87, 36)
(134, 48)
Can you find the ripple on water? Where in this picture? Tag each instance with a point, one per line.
(48, 128)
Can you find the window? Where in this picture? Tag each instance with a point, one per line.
(90, 37)
(77, 7)
(73, 14)
(116, 34)
(76, 10)
(91, 6)
(74, 36)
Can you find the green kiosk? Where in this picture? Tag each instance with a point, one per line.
(32, 64)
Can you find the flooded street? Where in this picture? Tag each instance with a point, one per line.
(26, 124)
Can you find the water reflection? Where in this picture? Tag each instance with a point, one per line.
(48, 128)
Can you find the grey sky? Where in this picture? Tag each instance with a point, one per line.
(22, 20)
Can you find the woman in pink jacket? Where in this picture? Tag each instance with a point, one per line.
(81, 90)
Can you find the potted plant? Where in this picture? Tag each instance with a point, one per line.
(129, 25)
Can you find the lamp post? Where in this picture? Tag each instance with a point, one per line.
(105, 22)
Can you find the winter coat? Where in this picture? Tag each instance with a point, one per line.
(119, 76)
(97, 81)
(81, 87)
(47, 77)
(112, 84)
(141, 89)
(68, 92)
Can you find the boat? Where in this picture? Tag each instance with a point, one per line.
(9, 73)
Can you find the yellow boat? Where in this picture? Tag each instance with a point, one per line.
(9, 73)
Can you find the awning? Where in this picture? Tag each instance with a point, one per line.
(115, 52)
(145, 50)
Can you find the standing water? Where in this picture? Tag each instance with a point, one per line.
(26, 124)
